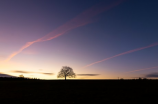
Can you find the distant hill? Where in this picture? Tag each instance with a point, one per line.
(6, 75)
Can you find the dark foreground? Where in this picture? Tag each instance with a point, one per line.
(78, 91)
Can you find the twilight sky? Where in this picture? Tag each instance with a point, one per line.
(99, 39)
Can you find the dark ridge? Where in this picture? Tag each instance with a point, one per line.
(16, 78)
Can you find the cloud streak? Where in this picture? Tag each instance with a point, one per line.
(19, 71)
(87, 74)
(142, 69)
(127, 52)
(80, 20)
(152, 75)
(48, 73)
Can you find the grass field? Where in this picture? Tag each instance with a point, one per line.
(78, 91)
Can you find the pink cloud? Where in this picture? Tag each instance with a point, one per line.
(82, 19)
(127, 52)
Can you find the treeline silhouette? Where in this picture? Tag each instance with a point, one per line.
(137, 79)
(24, 78)
(17, 78)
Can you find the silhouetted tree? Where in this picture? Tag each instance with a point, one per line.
(121, 79)
(66, 72)
(140, 78)
(144, 78)
(21, 76)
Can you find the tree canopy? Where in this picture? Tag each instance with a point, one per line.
(21, 76)
(66, 72)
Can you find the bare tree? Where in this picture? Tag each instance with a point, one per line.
(66, 72)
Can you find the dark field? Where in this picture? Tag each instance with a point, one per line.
(78, 91)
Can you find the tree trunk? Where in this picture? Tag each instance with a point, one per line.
(65, 77)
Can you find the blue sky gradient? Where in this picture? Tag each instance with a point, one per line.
(124, 26)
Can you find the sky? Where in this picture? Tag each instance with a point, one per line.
(98, 39)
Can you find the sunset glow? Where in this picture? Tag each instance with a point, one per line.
(101, 39)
